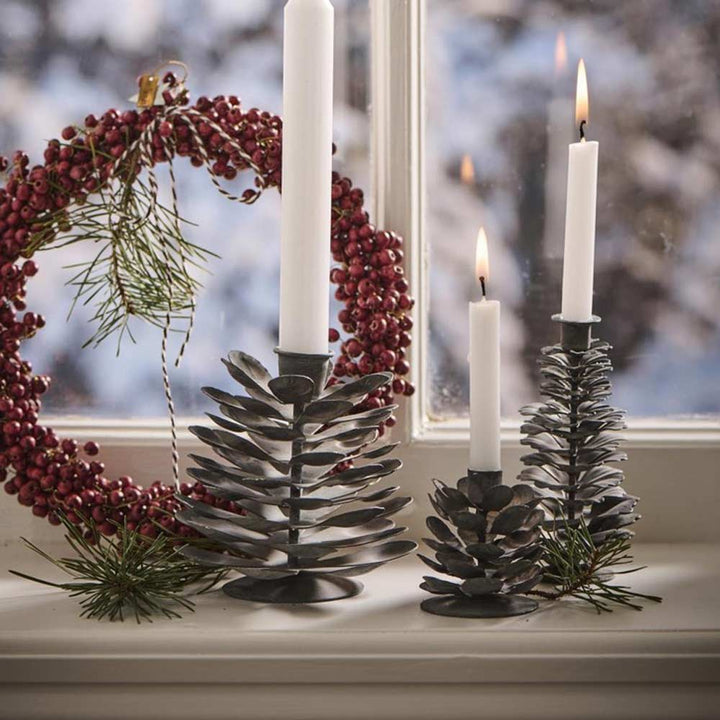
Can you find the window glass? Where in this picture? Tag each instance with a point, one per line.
(497, 93)
(65, 59)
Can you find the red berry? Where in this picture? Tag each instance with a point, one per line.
(353, 348)
(69, 447)
(29, 268)
(91, 448)
(107, 528)
(388, 358)
(74, 501)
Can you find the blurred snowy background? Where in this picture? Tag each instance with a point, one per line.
(495, 94)
(63, 59)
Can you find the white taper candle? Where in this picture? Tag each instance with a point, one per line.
(306, 176)
(484, 362)
(579, 257)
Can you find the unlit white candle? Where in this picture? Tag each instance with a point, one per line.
(306, 176)
(579, 258)
(484, 362)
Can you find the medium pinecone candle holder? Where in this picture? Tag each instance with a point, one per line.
(487, 536)
(301, 539)
(574, 438)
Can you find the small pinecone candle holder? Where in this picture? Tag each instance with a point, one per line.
(300, 468)
(487, 536)
(574, 438)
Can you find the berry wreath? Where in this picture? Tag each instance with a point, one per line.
(95, 174)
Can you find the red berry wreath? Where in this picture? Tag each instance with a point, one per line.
(52, 475)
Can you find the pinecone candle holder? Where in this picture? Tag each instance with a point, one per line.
(301, 540)
(574, 440)
(487, 536)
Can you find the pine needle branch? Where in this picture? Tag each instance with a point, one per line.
(575, 567)
(129, 574)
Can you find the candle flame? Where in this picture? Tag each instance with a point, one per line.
(582, 102)
(467, 170)
(561, 54)
(482, 263)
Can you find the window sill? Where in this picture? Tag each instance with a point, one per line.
(650, 433)
(647, 433)
(374, 656)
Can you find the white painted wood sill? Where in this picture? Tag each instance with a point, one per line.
(375, 656)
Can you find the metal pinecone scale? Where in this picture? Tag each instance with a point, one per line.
(307, 528)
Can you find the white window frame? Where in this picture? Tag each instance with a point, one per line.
(662, 453)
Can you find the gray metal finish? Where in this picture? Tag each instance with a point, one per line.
(307, 526)
(573, 434)
(314, 367)
(487, 535)
(285, 590)
(492, 606)
(575, 335)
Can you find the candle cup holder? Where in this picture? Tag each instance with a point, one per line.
(488, 536)
(574, 440)
(300, 539)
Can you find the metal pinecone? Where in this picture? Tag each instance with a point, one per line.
(280, 445)
(487, 536)
(574, 438)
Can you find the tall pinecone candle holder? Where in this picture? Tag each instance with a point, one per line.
(487, 536)
(301, 539)
(574, 438)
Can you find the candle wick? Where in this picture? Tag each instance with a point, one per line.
(482, 284)
(583, 123)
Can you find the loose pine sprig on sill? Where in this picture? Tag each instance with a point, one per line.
(127, 575)
(577, 568)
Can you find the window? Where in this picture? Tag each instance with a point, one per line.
(495, 94)
(65, 59)
(485, 75)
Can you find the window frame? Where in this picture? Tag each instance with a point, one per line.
(141, 447)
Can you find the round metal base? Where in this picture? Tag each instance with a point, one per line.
(488, 606)
(300, 588)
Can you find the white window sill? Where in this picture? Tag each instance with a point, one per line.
(375, 656)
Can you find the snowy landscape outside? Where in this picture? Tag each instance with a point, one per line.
(495, 94)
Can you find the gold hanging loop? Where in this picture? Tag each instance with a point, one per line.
(149, 83)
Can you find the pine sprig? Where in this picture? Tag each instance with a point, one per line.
(143, 264)
(129, 575)
(578, 568)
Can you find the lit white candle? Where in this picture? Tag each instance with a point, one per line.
(484, 371)
(306, 176)
(579, 258)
